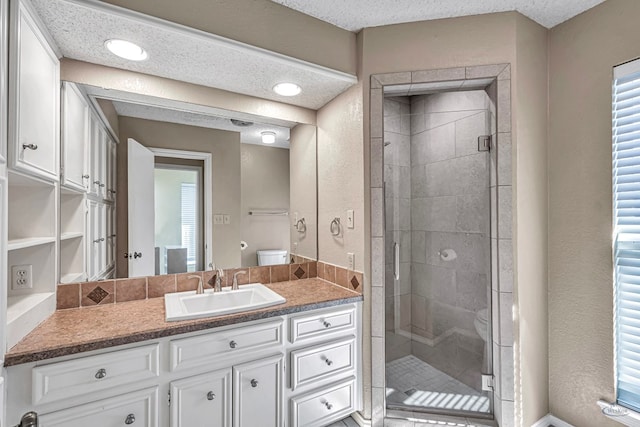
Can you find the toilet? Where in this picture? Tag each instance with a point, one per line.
(272, 257)
(480, 323)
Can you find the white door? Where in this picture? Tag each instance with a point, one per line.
(75, 132)
(257, 393)
(141, 216)
(202, 401)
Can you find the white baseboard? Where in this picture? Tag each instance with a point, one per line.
(360, 420)
(550, 420)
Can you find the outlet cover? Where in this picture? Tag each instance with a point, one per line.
(351, 261)
(21, 277)
(227, 219)
(350, 222)
(218, 219)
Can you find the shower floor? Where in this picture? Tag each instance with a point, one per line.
(413, 382)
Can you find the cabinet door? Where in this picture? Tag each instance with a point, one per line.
(257, 393)
(139, 409)
(93, 242)
(111, 169)
(95, 157)
(35, 98)
(202, 401)
(111, 234)
(75, 132)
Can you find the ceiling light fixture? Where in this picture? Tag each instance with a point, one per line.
(287, 89)
(268, 137)
(126, 50)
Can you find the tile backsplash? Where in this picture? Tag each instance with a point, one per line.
(88, 294)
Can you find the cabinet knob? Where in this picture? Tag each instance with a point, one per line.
(98, 240)
(137, 255)
(85, 176)
(326, 324)
(29, 146)
(233, 344)
(254, 383)
(328, 405)
(130, 419)
(96, 182)
(101, 185)
(101, 373)
(328, 362)
(211, 396)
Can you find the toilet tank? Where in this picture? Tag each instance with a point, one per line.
(272, 257)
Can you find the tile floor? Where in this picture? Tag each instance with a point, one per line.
(347, 422)
(413, 382)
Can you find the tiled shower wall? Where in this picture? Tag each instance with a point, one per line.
(450, 219)
(397, 178)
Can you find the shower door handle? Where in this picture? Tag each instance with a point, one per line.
(396, 260)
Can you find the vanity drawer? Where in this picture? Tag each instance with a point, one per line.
(138, 409)
(322, 323)
(94, 373)
(199, 350)
(321, 362)
(320, 408)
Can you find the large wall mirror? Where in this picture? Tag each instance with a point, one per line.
(200, 187)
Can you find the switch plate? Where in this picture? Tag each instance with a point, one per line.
(351, 261)
(227, 219)
(350, 218)
(21, 277)
(218, 219)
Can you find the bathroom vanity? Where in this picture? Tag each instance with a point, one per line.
(291, 365)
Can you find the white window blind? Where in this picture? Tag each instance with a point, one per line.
(626, 231)
(189, 207)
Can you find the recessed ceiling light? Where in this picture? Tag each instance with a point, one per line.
(268, 137)
(126, 50)
(287, 89)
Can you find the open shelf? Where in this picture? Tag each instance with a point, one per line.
(25, 312)
(28, 242)
(71, 235)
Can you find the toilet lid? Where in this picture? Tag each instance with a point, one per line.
(483, 315)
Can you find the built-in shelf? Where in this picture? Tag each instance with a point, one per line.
(73, 277)
(25, 312)
(71, 235)
(28, 242)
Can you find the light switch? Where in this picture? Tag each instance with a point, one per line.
(351, 261)
(218, 219)
(350, 218)
(227, 219)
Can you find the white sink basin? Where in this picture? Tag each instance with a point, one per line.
(189, 305)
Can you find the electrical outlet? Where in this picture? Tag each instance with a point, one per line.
(226, 219)
(350, 223)
(351, 261)
(218, 219)
(21, 277)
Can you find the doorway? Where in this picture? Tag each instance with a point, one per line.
(179, 213)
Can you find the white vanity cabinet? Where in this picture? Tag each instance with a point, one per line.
(34, 135)
(75, 136)
(243, 375)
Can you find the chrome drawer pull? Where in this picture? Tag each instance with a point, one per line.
(232, 344)
(328, 405)
(130, 419)
(29, 146)
(326, 324)
(328, 362)
(211, 396)
(101, 373)
(254, 383)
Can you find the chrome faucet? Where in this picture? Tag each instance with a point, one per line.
(200, 288)
(234, 285)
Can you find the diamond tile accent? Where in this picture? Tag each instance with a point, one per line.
(299, 272)
(97, 295)
(354, 282)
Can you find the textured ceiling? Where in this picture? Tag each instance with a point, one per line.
(248, 135)
(80, 28)
(354, 15)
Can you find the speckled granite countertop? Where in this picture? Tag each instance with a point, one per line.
(84, 329)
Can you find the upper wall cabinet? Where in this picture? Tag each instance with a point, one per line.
(34, 96)
(75, 136)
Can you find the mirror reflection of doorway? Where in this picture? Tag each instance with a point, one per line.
(179, 234)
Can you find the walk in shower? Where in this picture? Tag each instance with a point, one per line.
(438, 174)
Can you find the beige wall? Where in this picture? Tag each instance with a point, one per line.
(167, 89)
(260, 23)
(582, 53)
(265, 185)
(110, 114)
(529, 104)
(303, 171)
(341, 178)
(224, 147)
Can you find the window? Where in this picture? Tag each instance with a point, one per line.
(626, 231)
